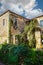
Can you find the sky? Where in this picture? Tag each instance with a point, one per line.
(27, 8)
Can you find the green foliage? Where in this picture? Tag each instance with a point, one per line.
(29, 31)
(10, 24)
(6, 54)
(23, 37)
(0, 46)
(20, 54)
(18, 37)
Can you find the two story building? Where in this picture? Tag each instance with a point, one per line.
(12, 24)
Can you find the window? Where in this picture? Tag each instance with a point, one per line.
(15, 23)
(16, 39)
(41, 23)
(3, 22)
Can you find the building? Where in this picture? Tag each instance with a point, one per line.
(39, 32)
(11, 24)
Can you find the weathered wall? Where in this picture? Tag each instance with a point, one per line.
(20, 25)
(4, 30)
(38, 34)
(38, 39)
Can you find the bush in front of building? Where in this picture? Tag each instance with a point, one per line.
(20, 54)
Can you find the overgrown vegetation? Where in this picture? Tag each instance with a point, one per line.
(20, 54)
(28, 35)
(10, 35)
(23, 53)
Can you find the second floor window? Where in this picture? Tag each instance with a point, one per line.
(41, 23)
(3, 22)
(15, 23)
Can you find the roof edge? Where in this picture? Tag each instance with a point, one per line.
(37, 17)
(14, 13)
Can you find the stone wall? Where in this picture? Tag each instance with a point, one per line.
(4, 27)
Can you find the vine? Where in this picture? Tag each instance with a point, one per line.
(10, 24)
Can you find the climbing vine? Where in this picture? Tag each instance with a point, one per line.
(10, 24)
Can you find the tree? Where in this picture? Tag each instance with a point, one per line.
(29, 31)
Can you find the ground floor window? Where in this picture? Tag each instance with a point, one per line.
(17, 39)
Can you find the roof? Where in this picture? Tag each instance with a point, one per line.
(13, 13)
(20, 15)
(37, 17)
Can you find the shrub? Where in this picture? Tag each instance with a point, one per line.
(20, 54)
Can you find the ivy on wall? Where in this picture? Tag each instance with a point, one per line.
(10, 24)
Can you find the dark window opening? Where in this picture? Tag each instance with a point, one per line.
(3, 22)
(15, 23)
